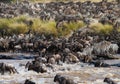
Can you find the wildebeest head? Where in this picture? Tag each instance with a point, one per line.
(57, 78)
(29, 82)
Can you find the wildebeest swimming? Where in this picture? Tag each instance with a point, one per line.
(27, 81)
(36, 66)
(109, 81)
(63, 79)
(7, 68)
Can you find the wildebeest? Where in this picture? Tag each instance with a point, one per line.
(4, 44)
(66, 18)
(63, 79)
(29, 82)
(109, 81)
(54, 59)
(7, 68)
(117, 23)
(72, 58)
(100, 63)
(36, 66)
(84, 57)
(105, 48)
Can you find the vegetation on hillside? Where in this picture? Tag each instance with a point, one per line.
(19, 25)
(102, 29)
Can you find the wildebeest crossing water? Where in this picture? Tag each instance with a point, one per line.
(79, 72)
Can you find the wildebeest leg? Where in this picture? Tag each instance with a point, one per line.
(2, 72)
(57, 61)
(10, 70)
(14, 70)
(27, 65)
(63, 59)
(2, 69)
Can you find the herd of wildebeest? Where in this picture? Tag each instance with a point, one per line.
(103, 11)
(81, 46)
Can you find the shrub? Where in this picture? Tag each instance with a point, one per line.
(36, 27)
(102, 29)
(68, 27)
(19, 25)
(21, 18)
(13, 26)
(49, 28)
(74, 25)
(17, 28)
(45, 27)
(4, 25)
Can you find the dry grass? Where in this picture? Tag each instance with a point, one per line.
(18, 25)
(49, 28)
(102, 29)
(14, 25)
(17, 28)
(69, 27)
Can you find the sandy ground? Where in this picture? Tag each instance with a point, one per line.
(81, 73)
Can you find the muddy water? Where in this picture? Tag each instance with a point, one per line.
(81, 73)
